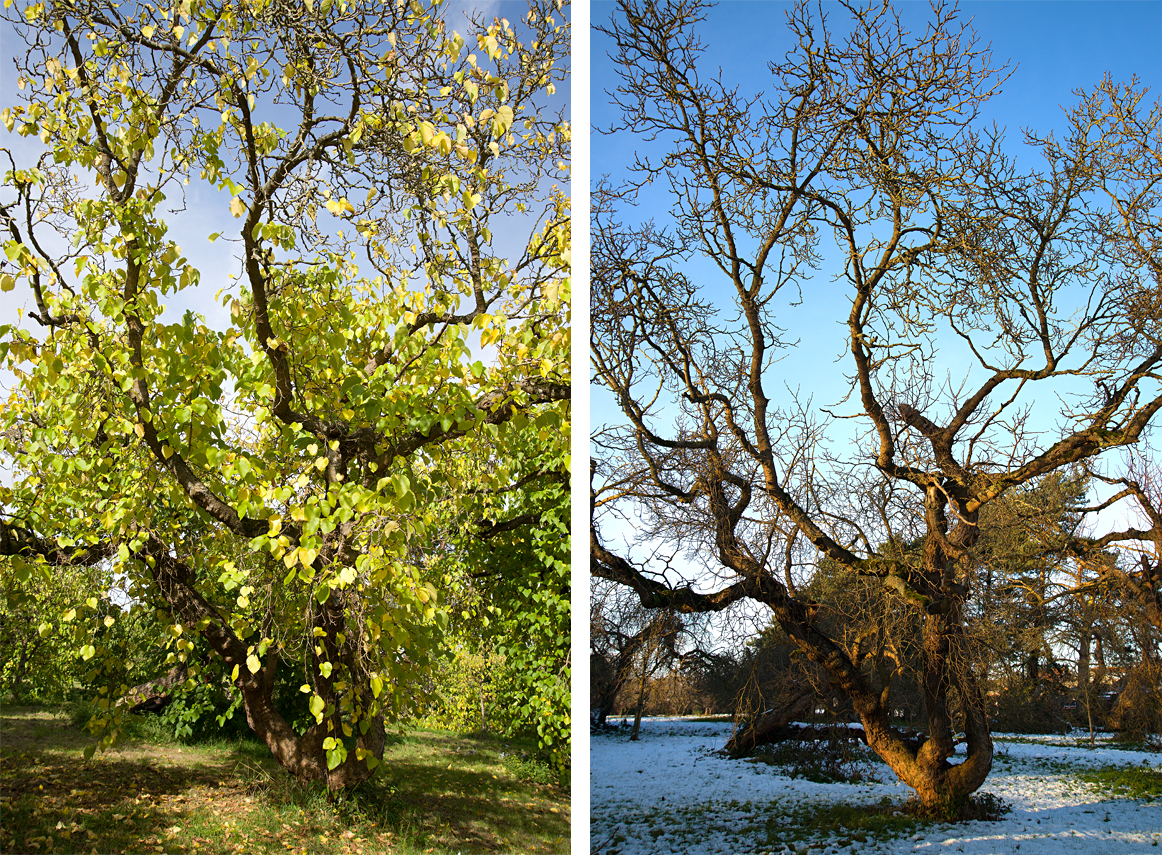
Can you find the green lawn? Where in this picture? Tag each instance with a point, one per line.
(439, 793)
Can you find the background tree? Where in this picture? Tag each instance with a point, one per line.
(38, 660)
(617, 628)
(948, 258)
(368, 153)
(512, 558)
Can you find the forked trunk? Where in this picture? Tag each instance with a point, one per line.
(942, 787)
(301, 755)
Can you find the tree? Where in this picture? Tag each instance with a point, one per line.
(281, 487)
(948, 258)
(36, 642)
(617, 631)
(514, 562)
(1023, 560)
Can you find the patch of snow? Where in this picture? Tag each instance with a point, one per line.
(672, 792)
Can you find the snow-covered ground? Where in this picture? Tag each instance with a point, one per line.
(671, 792)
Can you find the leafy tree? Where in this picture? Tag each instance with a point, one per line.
(37, 655)
(518, 558)
(509, 552)
(1032, 288)
(1024, 559)
(393, 193)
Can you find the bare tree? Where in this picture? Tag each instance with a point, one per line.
(627, 642)
(1038, 288)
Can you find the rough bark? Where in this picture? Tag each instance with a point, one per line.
(154, 695)
(773, 725)
(301, 755)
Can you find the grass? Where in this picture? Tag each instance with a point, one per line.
(440, 793)
(846, 825)
(771, 826)
(1132, 782)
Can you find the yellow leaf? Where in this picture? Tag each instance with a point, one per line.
(253, 664)
(237, 206)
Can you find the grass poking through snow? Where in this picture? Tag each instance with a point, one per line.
(1132, 782)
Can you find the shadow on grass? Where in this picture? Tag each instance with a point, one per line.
(437, 793)
(111, 805)
(458, 792)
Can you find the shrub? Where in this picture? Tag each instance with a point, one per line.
(838, 760)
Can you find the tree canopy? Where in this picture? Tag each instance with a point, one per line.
(997, 324)
(289, 490)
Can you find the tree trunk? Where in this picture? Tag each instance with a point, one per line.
(641, 701)
(1085, 639)
(771, 726)
(17, 687)
(154, 695)
(301, 755)
(484, 678)
(602, 715)
(942, 787)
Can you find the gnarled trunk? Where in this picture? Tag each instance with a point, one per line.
(940, 785)
(301, 755)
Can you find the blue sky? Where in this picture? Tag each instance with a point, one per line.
(1053, 47)
(1057, 46)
